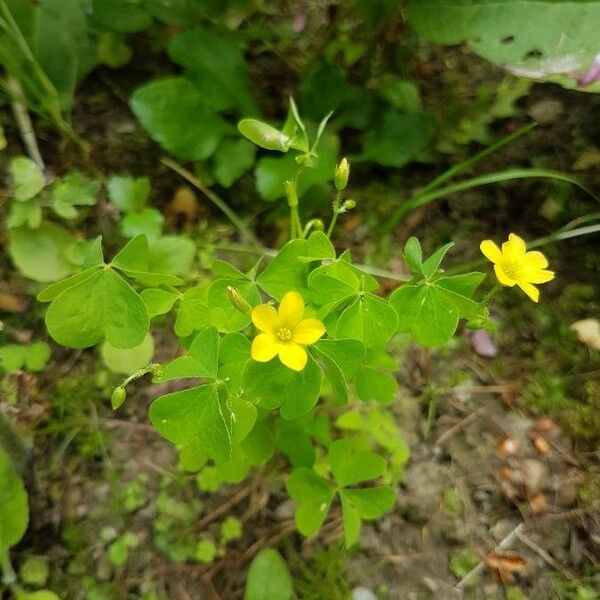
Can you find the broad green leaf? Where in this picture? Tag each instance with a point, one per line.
(258, 446)
(559, 42)
(223, 314)
(38, 595)
(333, 374)
(351, 465)
(465, 284)
(36, 356)
(197, 415)
(264, 135)
(413, 255)
(113, 50)
(234, 353)
(352, 522)
(224, 270)
(148, 222)
(371, 503)
(54, 289)
(128, 193)
(271, 173)
(205, 351)
(41, 254)
(27, 178)
(101, 306)
(14, 509)
(128, 360)
(294, 441)
(430, 266)
(26, 212)
(175, 115)
(375, 384)
(192, 312)
(314, 495)
(289, 269)
(158, 302)
(426, 312)
(369, 319)
(235, 469)
(73, 190)
(244, 417)
(398, 138)
(272, 385)
(182, 367)
(232, 159)
(269, 578)
(347, 354)
(333, 283)
(12, 357)
(116, 15)
(218, 57)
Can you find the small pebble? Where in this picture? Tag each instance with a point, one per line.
(363, 593)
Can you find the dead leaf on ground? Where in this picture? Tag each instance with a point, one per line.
(184, 203)
(504, 565)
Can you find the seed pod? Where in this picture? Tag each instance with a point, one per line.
(118, 397)
(238, 300)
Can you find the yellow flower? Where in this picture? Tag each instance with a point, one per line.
(284, 332)
(515, 266)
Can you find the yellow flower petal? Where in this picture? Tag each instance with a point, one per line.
(264, 347)
(308, 331)
(502, 277)
(293, 355)
(265, 318)
(539, 276)
(514, 250)
(490, 251)
(535, 260)
(530, 290)
(291, 309)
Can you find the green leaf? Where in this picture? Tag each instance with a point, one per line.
(233, 355)
(172, 254)
(271, 173)
(351, 465)
(14, 509)
(128, 360)
(98, 307)
(244, 417)
(223, 314)
(371, 503)
(218, 59)
(272, 385)
(465, 284)
(352, 522)
(73, 190)
(398, 139)
(175, 115)
(231, 529)
(332, 283)
(430, 266)
(413, 255)
(195, 416)
(426, 312)
(27, 212)
(148, 222)
(128, 193)
(34, 571)
(201, 361)
(558, 44)
(293, 440)
(314, 495)
(192, 312)
(41, 254)
(258, 446)
(375, 384)
(206, 551)
(36, 356)
(116, 15)
(369, 319)
(54, 289)
(232, 159)
(289, 269)
(333, 374)
(158, 302)
(12, 357)
(269, 578)
(27, 178)
(347, 354)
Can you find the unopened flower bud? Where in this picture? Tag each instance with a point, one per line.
(348, 205)
(157, 371)
(342, 172)
(238, 301)
(118, 397)
(292, 193)
(318, 225)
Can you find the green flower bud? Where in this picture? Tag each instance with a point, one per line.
(118, 397)
(157, 371)
(291, 192)
(318, 225)
(342, 172)
(238, 300)
(348, 205)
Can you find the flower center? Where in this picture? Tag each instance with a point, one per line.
(284, 334)
(512, 268)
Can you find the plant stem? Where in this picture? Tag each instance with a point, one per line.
(431, 412)
(336, 213)
(243, 229)
(19, 106)
(425, 198)
(495, 289)
(8, 573)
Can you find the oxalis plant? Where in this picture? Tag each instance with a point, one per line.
(291, 356)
